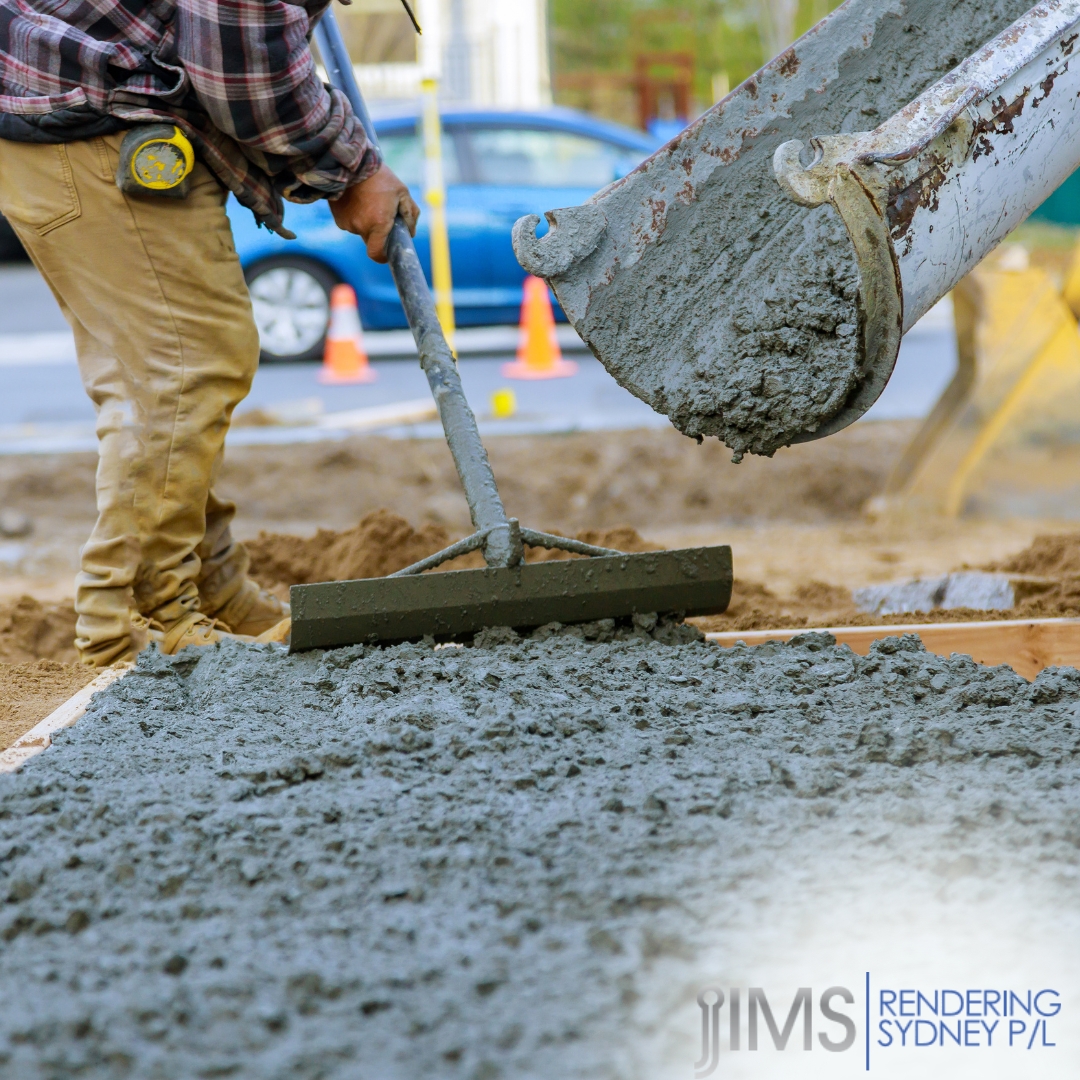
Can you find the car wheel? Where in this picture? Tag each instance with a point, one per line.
(290, 298)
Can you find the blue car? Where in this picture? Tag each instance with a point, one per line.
(497, 167)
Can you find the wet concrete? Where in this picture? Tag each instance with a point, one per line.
(518, 860)
(471, 862)
(712, 296)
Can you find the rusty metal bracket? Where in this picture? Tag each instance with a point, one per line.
(956, 169)
(926, 195)
(834, 179)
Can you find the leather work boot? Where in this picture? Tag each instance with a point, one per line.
(193, 629)
(279, 634)
(251, 611)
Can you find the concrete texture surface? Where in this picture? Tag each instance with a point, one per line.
(524, 859)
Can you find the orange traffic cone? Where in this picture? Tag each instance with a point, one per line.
(538, 355)
(344, 359)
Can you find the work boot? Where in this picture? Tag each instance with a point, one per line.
(250, 612)
(192, 629)
(279, 634)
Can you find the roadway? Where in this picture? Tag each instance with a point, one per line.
(43, 407)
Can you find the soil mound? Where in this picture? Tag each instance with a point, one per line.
(380, 544)
(29, 692)
(384, 542)
(1048, 556)
(1053, 565)
(31, 630)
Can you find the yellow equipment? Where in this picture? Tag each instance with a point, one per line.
(992, 434)
(155, 159)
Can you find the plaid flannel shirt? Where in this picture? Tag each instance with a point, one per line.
(237, 76)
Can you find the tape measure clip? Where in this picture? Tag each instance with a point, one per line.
(155, 159)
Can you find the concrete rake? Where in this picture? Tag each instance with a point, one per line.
(508, 592)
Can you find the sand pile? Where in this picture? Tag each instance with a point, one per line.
(31, 630)
(38, 663)
(522, 860)
(381, 544)
(1052, 565)
(1048, 556)
(29, 692)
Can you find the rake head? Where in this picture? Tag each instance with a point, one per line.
(692, 581)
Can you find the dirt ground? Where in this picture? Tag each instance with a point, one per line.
(38, 669)
(29, 692)
(371, 505)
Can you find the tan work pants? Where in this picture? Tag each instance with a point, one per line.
(167, 347)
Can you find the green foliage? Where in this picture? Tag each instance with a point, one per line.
(604, 36)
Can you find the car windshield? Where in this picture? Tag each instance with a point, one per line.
(403, 151)
(512, 157)
(531, 157)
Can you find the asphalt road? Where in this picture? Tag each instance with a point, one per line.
(43, 401)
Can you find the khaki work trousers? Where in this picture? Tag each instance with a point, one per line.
(167, 347)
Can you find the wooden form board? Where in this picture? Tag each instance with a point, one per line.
(39, 737)
(1026, 645)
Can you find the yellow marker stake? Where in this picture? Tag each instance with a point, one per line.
(435, 197)
(503, 403)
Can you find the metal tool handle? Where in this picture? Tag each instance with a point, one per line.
(502, 545)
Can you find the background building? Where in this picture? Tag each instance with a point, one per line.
(484, 52)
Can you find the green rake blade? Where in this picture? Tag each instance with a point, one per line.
(693, 581)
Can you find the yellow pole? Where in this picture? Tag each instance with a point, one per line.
(435, 197)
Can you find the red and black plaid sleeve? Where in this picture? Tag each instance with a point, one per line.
(237, 75)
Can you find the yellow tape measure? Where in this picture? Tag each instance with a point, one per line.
(155, 159)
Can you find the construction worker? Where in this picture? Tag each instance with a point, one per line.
(151, 284)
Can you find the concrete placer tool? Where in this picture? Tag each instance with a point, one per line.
(508, 592)
(752, 279)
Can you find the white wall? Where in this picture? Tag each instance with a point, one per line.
(508, 46)
(484, 52)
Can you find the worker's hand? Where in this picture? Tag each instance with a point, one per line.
(370, 207)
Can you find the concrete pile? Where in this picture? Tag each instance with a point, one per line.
(523, 858)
